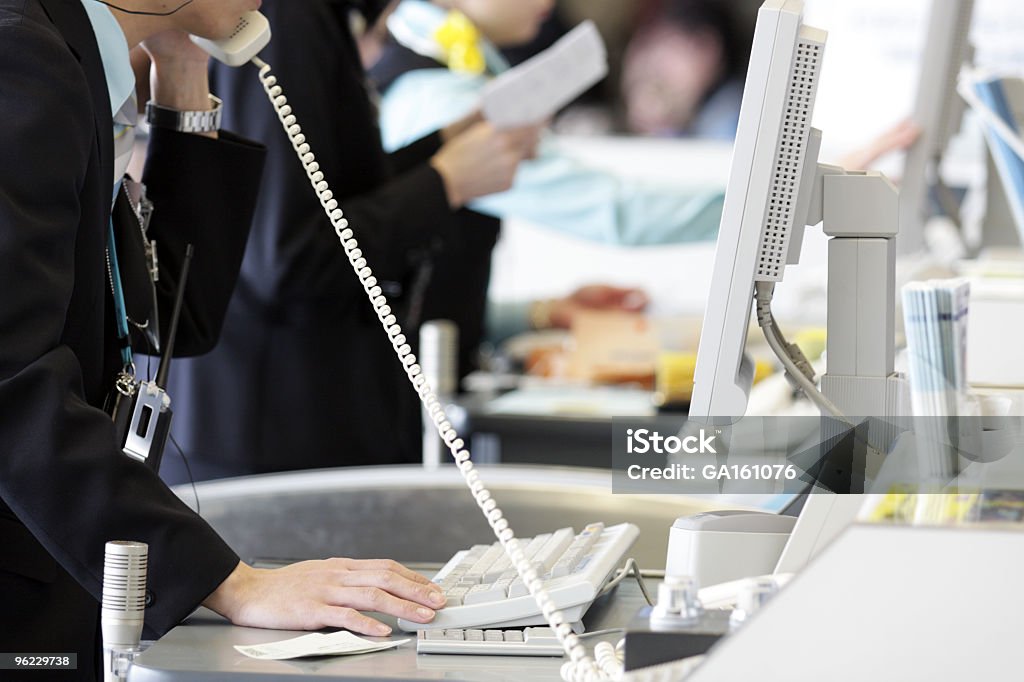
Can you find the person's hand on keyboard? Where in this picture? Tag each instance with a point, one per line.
(484, 590)
(330, 593)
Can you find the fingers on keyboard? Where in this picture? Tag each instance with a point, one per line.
(381, 601)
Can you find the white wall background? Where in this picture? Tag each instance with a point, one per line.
(871, 64)
(867, 86)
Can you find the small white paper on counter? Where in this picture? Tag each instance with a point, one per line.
(536, 89)
(317, 644)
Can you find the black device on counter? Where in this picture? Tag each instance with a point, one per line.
(647, 645)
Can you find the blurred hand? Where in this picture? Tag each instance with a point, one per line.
(483, 160)
(898, 138)
(455, 129)
(562, 311)
(316, 594)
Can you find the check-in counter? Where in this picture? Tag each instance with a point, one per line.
(411, 514)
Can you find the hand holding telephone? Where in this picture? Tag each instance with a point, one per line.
(141, 411)
(249, 37)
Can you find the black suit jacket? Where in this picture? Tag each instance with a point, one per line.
(65, 487)
(304, 376)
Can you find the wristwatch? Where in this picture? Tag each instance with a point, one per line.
(186, 121)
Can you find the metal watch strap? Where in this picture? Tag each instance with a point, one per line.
(185, 121)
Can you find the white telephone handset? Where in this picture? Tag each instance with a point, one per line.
(249, 37)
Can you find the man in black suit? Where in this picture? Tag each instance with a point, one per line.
(65, 487)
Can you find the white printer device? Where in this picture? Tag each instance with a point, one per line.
(723, 546)
(718, 546)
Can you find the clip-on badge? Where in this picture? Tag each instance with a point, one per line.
(143, 418)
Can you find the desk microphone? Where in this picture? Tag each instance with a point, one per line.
(439, 358)
(124, 605)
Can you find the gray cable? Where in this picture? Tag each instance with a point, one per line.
(778, 344)
(630, 567)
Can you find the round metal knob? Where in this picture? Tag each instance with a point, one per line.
(678, 603)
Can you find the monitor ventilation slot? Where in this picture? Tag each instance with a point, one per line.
(796, 127)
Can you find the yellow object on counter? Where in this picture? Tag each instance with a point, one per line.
(673, 378)
(763, 369)
(811, 342)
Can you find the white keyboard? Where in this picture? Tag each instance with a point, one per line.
(484, 591)
(525, 642)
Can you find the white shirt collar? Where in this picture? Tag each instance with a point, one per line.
(113, 46)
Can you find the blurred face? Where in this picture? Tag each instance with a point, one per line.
(666, 75)
(214, 19)
(506, 22)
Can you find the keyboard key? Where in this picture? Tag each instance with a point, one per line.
(563, 567)
(447, 584)
(456, 595)
(474, 635)
(493, 636)
(553, 549)
(504, 564)
(472, 556)
(497, 570)
(518, 589)
(533, 546)
(513, 635)
(540, 635)
(588, 538)
(481, 594)
(479, 569)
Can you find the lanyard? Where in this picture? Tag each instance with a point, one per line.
(120, 311)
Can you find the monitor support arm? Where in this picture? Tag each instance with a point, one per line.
(860, 215)
(859, 212)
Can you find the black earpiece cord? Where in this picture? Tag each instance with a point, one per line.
(149, 14)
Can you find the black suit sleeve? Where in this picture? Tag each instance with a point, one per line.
(418, 152)
(60, 470)
(396, 218)
(204, 192)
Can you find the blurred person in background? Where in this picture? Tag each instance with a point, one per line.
(441, 55)
(432, 72)
(683, 71)
(304, 376)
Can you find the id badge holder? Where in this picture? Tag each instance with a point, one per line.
(142, 419)
(146, 425)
